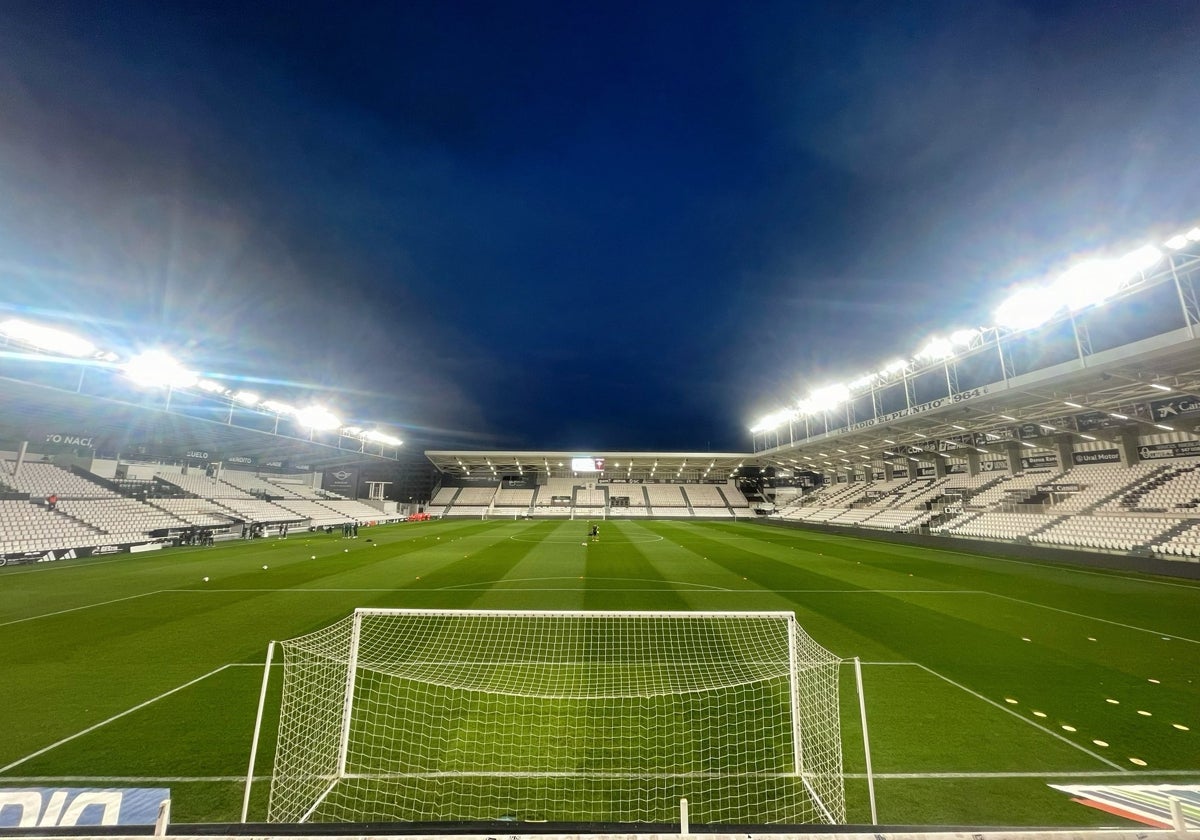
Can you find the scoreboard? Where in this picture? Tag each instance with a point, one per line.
(587, 464)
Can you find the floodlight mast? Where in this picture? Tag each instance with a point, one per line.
(1083, 286)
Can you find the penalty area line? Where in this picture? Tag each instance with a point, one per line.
(1006, 710)
(1017, 774)
(84, 607)
(107, 721)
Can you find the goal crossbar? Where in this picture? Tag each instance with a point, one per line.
(573, 716)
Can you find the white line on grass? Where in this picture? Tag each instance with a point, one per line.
(1009, 711)
(84, 607)
(1056, 774)
(117, 716)
(1094, 618)
(1069, 568)
(29, 780)
(1016, 774)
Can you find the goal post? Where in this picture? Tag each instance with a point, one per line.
(406, 715)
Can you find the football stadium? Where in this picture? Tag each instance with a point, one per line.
(550, 420)
(959, 591)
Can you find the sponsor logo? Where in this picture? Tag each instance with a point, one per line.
(342, 475)
(70, 440)
(1099, 456)
(239, 459)
(197, 453)
(1166, 409)
(43, 807)
(106, 549)
(1182, 449)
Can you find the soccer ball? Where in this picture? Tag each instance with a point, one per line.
(314, 557)
(264, 568)
(206, 580)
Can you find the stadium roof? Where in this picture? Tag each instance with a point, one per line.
(616, 464)
(1095, 399)
(43, 415)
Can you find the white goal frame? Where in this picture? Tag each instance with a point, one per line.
(829, 806)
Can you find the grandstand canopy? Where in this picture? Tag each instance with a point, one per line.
(47, 417)
(1146, 387)
(498, 464)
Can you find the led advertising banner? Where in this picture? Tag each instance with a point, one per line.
(49, 807)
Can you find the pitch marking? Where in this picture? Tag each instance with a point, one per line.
(1009, 711)
(107, 721)
(84, 607)
(1094, 618)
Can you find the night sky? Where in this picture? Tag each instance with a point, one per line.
(562, 225)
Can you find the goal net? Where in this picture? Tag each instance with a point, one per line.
(479, 715)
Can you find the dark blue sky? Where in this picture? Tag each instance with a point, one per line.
(576, 225)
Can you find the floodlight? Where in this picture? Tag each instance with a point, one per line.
(863, 381)
(1027, 308)
(351, 430)
(963, 338)
(894, 366)
(1142, 260)
(158, 369)
(1164, 427)
(278, 407)
(1176, 242)
(379, 437)
(1091, 282)
(1193, 234)
(1087, 437)
(937, 348)
(47, 338)
(1118, 416)
(211, 387)
(246, 397)
(831, 396)
(1158, 387)
(1073, 405)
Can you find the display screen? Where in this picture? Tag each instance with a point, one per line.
(587, 465)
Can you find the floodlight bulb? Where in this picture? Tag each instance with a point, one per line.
(246, 397)
(158, 369)
(1027, 308)
(47, 338)
(1176, 242)
(1193, 234)
(210, 386)
(935, 349)
(318, 418)
(278, 407)
(1142, 260)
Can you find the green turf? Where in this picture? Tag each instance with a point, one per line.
(149, 677)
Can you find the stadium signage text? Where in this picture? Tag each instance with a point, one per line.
(239, 459)
(1098, 456)
(1059, 488)
(1177, 407)
(1039, 461)
(44, 807)
(197, 453)
(916, 409)
(1182, 449)
(70, 440)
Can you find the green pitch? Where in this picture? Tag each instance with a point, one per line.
(985, 679)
